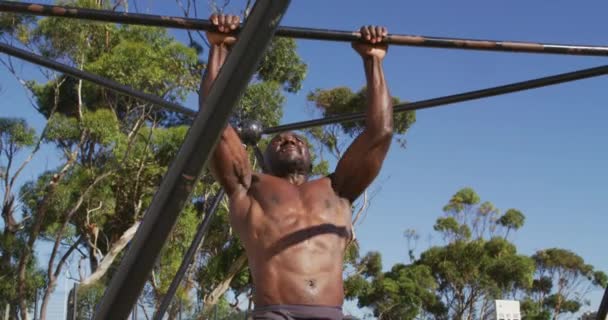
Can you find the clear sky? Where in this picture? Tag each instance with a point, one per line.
(542, 151)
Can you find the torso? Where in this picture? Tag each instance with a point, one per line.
(295, 237)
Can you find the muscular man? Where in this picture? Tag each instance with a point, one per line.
(295, 230)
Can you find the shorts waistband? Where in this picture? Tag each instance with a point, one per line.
(304, 311)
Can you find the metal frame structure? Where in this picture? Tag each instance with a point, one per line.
(254, 37)
(303, 33)
(423, 104)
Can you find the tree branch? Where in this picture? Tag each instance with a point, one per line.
(108, 259)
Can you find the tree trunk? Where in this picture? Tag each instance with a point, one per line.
(115, 249)
(46, 297)
(93, 262)
(52, 282)
(27, 250)
(214, 296)
(9, 234)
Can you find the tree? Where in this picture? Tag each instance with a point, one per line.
(512, 220)
(457, 280)
(400, 293)
(106, 139)
(476, 265)
(15, 138)
(563, 280)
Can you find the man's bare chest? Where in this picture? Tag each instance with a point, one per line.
(279, 208)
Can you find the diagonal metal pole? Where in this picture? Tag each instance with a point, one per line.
(189, 256)
(176, 187)
(105, 82)
(602, 312)
(445, 100)
(303, 33)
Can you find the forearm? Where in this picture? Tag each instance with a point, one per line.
(217, 57)
(379, 113)
(229, 163)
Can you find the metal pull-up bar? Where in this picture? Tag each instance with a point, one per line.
(356, 116)
(302, 33)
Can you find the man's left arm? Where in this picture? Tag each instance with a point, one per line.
(363, 159)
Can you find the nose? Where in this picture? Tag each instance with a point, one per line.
(289, 139)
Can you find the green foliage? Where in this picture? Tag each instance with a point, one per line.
(281, 69)
(557, 300)
(144, 58)
(62, 129)
(222, 310)
(88, 297)
(600, 279)
(15, 24)
(512, 219)
(10, 249)
(447, 226)
(400, 293)
(102, 126)
(263, 102)
(15, 134)
(342, 100)
(531, 310)
(281, 64)
(171, 255)
(166, 142)
(220, 250)
(563, 278)
(372, 264)
(57, 37)
(148, 60)
(463, 200)
(456, 280)
(486, 267)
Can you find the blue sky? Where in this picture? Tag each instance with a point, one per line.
(541, 151)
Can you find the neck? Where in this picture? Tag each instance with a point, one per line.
(296, 178)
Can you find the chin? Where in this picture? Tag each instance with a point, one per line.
(293, 167)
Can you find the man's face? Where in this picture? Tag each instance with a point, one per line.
(287, 153)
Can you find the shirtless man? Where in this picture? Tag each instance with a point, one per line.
(295, 230)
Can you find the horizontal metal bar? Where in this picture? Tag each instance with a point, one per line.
(435, 102)
(80, 74)
(303, 33)
(441, 101)
(179, 181)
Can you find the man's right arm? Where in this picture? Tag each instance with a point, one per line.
(229, 163)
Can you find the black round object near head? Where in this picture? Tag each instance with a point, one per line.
(250, 131)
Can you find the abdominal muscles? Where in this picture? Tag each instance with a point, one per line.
(306, 272)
